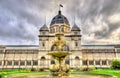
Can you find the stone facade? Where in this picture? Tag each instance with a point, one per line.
(33, 56)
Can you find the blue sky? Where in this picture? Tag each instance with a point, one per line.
(20, 20)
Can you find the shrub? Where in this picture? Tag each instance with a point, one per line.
(115, 64)
(41, 69)
(33, 69)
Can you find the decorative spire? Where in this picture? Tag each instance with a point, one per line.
(44, 21)
(75, 20)
(75, 17)
(59, 12)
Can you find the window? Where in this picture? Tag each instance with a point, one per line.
(62, 29)
(54, 48)
(16, 63)
(91, 62)
(1, 51)
(97, 62)
(42, 61)
(52, 62)
(53, 30)
(28, 62)
(75, 33)
(84, 62)
(76, 43)
(104, 62)
(43, 33)
(5, 62)
(65, 48)
(67, 61)
(0, 62)
(43, 44)
(109, 62)
(77, 58)
(9, 63)
(22, 63)
(35, 62)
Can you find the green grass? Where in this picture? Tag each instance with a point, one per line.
(107, 72)
(11, 72)
(98, 71)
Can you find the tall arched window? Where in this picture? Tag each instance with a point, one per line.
(54, 48)
(62, 29)
(65, 48)
(42, 63)
(77, 61)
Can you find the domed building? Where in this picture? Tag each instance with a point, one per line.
(34, 56)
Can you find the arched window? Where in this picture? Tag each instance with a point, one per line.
(53, 30)
(77, 58)
(62, 29)
(67, 61)
(43, 58)
(77, 61)
(54, 48)
(65, 48)
(42, 63)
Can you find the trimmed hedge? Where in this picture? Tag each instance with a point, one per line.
(115, 64)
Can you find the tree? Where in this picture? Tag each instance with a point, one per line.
(115, 64)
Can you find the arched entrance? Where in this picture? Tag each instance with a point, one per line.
(42, 62)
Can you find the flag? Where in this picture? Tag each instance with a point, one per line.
(61, 5)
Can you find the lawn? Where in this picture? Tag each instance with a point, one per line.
(98, 71)
(11, 72)
(106, 71)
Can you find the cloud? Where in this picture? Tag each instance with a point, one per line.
(20, 20)
(114, 18)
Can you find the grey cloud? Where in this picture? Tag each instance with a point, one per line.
(28, 16)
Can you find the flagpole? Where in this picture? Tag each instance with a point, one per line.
(60, 5)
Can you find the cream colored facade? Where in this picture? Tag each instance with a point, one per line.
(33, 56)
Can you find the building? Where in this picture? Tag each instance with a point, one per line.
(33, 56)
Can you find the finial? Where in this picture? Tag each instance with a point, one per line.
(75, 17)
(59, 12)
(45, 20)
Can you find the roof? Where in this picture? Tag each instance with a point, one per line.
(44, 28)
(59, 19)
(75, 28)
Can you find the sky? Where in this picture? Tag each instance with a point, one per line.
(20, 20)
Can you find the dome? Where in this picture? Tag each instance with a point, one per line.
(59, 19)
(75, 28)
(44, 28)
